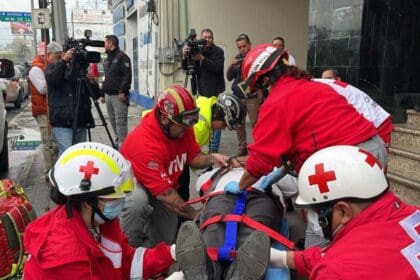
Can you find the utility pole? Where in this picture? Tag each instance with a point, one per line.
(33, 32)
(60, 21)
(45, 33)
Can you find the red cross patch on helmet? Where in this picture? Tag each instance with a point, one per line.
(339, 172)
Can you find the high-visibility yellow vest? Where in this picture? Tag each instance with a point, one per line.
(203, 129)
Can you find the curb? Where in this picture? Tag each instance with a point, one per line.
(27, 167)
(23, 177)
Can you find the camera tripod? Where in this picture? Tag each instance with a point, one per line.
(81, 86)
(192, 71)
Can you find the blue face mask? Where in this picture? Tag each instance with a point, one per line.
(111, 209)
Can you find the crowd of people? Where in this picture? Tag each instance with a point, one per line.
(120, 212)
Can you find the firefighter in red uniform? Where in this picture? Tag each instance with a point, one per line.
(298, 117)
(374, 234)
(82, 238)
(159, 149)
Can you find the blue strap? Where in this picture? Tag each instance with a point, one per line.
(226, 253)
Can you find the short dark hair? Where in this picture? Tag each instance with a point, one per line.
(217, 113)
(334, 71)
(243, 36)
(279, 38)
(207, 30)
(113, 39)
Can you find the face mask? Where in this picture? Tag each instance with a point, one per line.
(111, 209)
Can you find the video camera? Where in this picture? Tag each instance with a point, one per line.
(194, 48)
(81, 56)
(194, 44)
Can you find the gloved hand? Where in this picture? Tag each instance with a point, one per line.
(271, 178)
(232, 187)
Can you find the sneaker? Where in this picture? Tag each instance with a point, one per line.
(191, 253)
(252, 258)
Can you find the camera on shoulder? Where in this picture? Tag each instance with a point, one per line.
(81, 56)
(194, 44)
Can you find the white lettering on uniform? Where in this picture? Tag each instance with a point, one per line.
(177, 164)
(411, 252)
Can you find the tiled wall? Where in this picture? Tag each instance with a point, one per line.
(334, 37)
(375, 44)
(390, 54)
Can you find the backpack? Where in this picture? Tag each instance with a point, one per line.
(15, 213)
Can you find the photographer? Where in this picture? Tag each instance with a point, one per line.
(63, 102)
(209, 61)
(251, 102)
(116, 87)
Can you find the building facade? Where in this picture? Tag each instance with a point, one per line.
(148, 30)
(373, 44)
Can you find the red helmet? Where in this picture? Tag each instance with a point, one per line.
(259, 61)
(178, 105)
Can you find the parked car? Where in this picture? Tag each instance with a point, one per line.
(6, 71)
(16, 88)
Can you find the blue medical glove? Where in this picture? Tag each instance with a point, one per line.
(271, 178)
(232, 187)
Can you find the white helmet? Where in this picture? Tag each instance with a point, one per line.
(92, 168)
(339, 172)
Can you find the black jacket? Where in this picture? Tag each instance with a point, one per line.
(210, 74)
(62, 97)
(117, 67)
(234, 73)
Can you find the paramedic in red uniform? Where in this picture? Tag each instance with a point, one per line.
(159, 149)
(374, 234)
(82, 238)
(298, 118)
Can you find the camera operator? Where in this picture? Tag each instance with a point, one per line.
(251, 102)
(61, 77)
(116, 87)
(209, 63)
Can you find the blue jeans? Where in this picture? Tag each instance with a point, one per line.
(63, 136)
(215, 141)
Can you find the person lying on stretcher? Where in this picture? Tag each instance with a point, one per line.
(236, 231)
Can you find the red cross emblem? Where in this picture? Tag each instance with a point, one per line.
(321, 178)
(370, 159)
(88, 169)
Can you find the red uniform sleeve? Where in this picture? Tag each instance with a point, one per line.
(128, 253)
(330, 271)
(151, 171)
(71, 270)
(306, 260)
(157, 260)
(272, 138)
